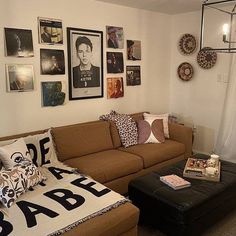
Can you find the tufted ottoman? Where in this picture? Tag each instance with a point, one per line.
(187, 211)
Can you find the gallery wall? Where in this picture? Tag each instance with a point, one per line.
(198, 102)
(23, 111)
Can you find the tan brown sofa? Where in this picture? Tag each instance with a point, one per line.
(95, 149)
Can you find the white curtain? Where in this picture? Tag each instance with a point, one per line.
(226, 140)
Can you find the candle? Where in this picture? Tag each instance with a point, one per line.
(215, 158)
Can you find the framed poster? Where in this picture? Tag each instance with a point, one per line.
(18, 42)
(20, 78)
(50, 31)
(53, 93)
(133, 75)
(85, 62)
(52, 62)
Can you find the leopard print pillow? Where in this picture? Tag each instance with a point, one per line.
(126, 127)
(17, 181)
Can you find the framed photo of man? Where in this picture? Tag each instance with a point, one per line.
(50, 31)
(20, 78)
(85, 62)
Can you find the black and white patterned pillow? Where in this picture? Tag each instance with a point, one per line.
(14, 153)
(126, 126)
(17, 181)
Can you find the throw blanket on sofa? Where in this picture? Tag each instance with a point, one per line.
(66, 200)
(126, 127)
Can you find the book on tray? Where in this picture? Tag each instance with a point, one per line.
(175, 182)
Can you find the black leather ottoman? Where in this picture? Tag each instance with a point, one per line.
(187, 211)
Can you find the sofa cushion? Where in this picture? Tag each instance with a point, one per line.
(154, 153)
(107, 165)
(82, 139)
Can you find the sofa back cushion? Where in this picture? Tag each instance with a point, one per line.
(114, 132)
(82, 139)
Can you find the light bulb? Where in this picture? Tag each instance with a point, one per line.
(225, 29)
(225, 32)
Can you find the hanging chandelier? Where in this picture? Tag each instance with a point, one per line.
(218, 26)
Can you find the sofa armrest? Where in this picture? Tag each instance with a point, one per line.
(183, 135)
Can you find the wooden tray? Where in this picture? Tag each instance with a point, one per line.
(198, 170)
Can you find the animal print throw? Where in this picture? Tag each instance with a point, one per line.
(64, 201)
(126, 127)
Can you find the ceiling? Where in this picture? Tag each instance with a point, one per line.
(170, 7)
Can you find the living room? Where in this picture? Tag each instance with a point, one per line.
(197, 103)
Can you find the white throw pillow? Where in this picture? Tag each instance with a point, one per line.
(40, 146)
(164, 117)
(14, 153)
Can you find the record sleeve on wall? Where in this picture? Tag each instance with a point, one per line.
(115, 87)
(20, 78)
(53, 93)
(50, 31)
(18, 42)
(133, 75)
(52, 62)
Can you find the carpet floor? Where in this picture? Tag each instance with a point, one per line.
(225, 227)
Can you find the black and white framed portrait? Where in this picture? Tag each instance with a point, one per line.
(18, 42)
(133, 75)
(50, 31)
(20, 77)
(85, 61)
(115, 62)
(52, 62)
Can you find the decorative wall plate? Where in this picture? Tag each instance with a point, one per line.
(206, 58)
(185, 71)
(187, 44)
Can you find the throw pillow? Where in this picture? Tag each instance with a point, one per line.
(17, 181)
(164, 117)
(126, 126)
(150, 131)
(41, 147)
(14, 153)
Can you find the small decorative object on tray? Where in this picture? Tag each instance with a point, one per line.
(175, 182)
(203, 169)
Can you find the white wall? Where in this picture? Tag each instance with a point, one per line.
(198, 102)
(21, 112)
